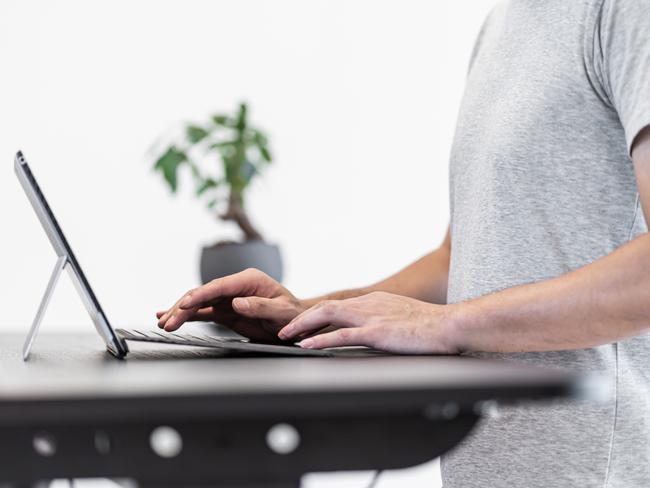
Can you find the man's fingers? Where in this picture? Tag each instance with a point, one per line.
(335, 312)
(322, 330)
(203, 315)
(264, 308)
(177, 318)
(163, 318)
(162, 321)
(342, 337)
(244, 283)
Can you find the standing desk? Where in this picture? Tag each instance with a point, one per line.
(172, 416)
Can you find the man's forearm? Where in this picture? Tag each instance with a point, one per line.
(425, 279)
(601, 303)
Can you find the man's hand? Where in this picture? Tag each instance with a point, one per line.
(379, 320)
(251, 303)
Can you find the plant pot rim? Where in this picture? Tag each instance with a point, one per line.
(227, 244)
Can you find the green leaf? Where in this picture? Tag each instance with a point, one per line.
(265, 154)
(259, 138)
(195, 133)
(222, 144)
(168, 164)
(205, 186)
(213, 203)
(241, 117)
(223, 120)
(261, 142)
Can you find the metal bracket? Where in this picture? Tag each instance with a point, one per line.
(33, 332)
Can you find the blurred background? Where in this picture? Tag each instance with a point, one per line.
(358, 100)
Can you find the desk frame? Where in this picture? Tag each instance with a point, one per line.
(223, 452)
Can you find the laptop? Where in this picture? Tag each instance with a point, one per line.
(116, 339)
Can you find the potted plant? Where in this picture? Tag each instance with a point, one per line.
(223, 157)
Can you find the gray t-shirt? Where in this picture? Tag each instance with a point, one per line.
(541, 183)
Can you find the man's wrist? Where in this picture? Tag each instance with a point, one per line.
(460, 320)
(308, 303)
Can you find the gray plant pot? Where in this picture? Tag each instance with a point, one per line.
(224, 259)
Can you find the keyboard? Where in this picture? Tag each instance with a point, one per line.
(232, 344)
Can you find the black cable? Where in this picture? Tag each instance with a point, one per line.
(375, 479)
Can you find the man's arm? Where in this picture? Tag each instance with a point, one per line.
(603, 302)
(425, 279)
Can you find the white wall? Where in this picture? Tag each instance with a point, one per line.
(359, 97)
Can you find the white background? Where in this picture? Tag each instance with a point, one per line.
(359, 99)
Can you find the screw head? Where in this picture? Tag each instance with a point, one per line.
(283, 438)
(166, 442)
(44, 444)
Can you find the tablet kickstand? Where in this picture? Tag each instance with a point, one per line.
(56, 273)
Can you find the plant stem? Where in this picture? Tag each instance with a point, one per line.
(237, 214)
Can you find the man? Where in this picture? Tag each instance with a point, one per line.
(547, 259)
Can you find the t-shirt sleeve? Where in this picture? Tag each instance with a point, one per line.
(479, 38)
(624, 38)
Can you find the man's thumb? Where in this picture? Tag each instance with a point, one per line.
(256, 307)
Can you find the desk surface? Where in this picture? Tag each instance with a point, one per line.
(383, 412)
(72, 368)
